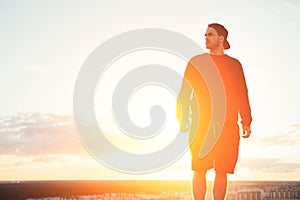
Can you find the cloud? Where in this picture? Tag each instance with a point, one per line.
(38, 134)
(48, 158)
(290, 137)
(293, 8)
(268, 165)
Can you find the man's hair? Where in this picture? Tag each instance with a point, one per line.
(222, 31)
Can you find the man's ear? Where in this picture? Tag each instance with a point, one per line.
(221, 38)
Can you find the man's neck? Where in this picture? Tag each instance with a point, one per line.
(217, 51)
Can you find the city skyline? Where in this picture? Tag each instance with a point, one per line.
(162, 189)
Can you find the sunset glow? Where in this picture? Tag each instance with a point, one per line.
(44, 45)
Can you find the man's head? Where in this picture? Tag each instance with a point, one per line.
(216, 36)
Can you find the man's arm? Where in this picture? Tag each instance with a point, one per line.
(182, 109)
(244, 106)
(184, 102)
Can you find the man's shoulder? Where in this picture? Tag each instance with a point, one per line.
(232, 59)
(199, 57)
(206, 59)
(205, 56)
(200, 61)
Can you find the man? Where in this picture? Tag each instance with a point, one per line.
(195, 102)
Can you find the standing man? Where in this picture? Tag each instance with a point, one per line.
(195, 102)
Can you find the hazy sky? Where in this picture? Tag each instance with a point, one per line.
(44, 44)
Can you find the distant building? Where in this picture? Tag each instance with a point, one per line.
(249, 195)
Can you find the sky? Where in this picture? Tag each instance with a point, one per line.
(45, 43)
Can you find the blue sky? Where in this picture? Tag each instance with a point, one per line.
(44, 44)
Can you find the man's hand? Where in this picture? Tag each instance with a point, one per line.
(185, 126)
(246, 131)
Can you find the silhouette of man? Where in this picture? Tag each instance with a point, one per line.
(195, 102)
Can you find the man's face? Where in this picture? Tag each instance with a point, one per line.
(212, 39)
